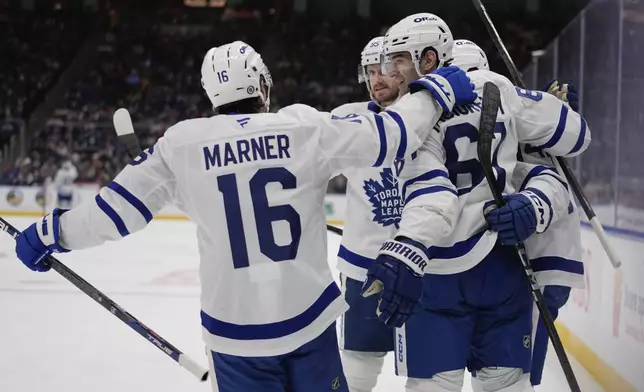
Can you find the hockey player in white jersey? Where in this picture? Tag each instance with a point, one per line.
(254, 184)
(555, 254)
(476, 303)
(64, 184)
(372, 217)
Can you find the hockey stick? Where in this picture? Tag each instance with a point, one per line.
(489, 111)
(125, 133)
(112, 307)
(562, 165)
(335, 230)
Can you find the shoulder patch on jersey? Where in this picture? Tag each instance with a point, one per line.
(385, 198)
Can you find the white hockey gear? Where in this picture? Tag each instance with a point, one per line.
(234, 72)
(416, 34)
(469, 56)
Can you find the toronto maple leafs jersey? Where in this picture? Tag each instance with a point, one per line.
(255, 187)
(555, 254)
(372, 211)
(529, 117)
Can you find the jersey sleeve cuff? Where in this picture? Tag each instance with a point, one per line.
(438, 87)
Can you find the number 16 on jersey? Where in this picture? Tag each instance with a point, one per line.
(263, 213)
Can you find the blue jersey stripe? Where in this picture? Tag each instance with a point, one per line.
(354, 258)
(133, 200)
(383, 140)
(374, 107)
(554, 263)
(459, 249)
(271, 330)
(402, 147)
(541, 170)
(109, 211)
(563, 117)
(430, 175)
(582, 137)
(428, 190)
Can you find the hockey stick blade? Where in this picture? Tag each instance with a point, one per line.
(489, 111)
(125, 132)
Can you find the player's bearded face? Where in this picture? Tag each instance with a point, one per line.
(383, 87)
(401, 67)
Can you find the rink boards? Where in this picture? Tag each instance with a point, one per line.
(602, 325)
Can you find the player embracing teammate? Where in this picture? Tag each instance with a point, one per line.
(254, 184)
(438, 273)
(472, 305)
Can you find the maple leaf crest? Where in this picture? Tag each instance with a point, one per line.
(384, 196)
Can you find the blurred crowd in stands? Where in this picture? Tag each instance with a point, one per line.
(151, 66)
(35, 49)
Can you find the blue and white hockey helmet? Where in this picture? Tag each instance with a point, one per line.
(416, 33)
(233, 72)
(469, 56)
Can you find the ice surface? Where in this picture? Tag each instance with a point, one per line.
(56, 339)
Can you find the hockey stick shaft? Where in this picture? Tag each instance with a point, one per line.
(489, 111)
(335, 230)
(560, 162)
(125, 133)
(116, 310)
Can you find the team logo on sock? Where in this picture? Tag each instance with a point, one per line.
(385, 198)
(335, 384)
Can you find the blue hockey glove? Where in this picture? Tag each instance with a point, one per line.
(39, 241)
(450, 86)
(566, 93)
(397, 273)
(524, 214)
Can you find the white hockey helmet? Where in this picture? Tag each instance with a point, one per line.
(416, 33)
(371, 55)
(469, 56)
(233, 72)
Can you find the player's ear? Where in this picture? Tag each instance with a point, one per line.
(263, 85)
(429, 61)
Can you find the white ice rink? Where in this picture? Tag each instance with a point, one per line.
(53, 338)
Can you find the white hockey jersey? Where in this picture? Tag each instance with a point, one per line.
(64, 179)
(376, 211)
(266, 285)
(528, 117)
(556, 253)
(372, 211)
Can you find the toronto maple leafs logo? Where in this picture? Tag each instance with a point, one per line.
(385, 198)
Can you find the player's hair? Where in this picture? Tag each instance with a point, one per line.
(245, 106)
(248, 105)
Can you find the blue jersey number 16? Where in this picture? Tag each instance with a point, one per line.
(265, 215)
